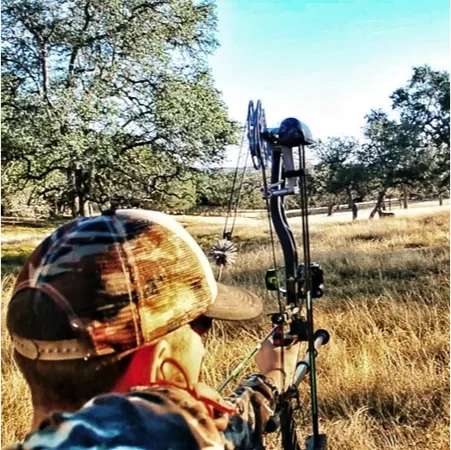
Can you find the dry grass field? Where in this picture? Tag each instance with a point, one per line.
(383, 378)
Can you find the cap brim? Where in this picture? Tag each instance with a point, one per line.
(235, 303)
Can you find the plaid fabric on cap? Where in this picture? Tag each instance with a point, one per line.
(124, 279)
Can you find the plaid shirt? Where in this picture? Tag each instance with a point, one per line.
(157, 418)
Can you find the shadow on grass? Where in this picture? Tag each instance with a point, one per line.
(386, 408)
(367, 237)
(38, 224)
(344, 280)
(344, 271)
(35, 225)
(11, 264)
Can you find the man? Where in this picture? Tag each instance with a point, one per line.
(119, 303)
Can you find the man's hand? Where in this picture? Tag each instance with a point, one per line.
(269, 361)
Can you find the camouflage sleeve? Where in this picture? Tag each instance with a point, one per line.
(156, 418)
(255, 402)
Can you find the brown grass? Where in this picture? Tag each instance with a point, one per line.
(383, 378)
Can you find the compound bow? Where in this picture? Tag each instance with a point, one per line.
(302, 281)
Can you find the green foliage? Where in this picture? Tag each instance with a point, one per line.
(424, 104)
(339, 175)
(214, 188)
(113, 103)
(391, 154)
(410, 152)
(102, 97)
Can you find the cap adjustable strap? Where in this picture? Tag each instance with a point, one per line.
(56, 350)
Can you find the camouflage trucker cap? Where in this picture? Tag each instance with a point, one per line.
(124, 279)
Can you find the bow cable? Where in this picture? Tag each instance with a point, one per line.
(228, 234)
(308, 288)
(223, 252)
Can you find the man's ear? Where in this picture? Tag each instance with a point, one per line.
(162, 351)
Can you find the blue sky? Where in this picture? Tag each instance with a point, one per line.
(325, 62)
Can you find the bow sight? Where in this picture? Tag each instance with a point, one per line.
(272, 280)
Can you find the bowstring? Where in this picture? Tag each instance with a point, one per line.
(232, 191)
(243, 174)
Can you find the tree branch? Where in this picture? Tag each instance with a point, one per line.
(42, 175)
(77, 47)
(139, 144)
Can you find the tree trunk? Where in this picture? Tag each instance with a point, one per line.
(352, 205)
(82, 191)
(74, 206)
(79, 193)
(83, 205)
(330, 209)
(404, 197)
(86, 208)
(377, 207)
(440, 199)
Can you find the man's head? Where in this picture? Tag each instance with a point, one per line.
(102, 294)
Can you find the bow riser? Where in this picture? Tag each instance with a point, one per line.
(284, 233)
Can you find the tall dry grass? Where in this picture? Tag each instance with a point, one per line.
(383, 378)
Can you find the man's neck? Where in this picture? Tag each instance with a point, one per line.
(40, 413)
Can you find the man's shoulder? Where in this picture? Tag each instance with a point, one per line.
(158, 418)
